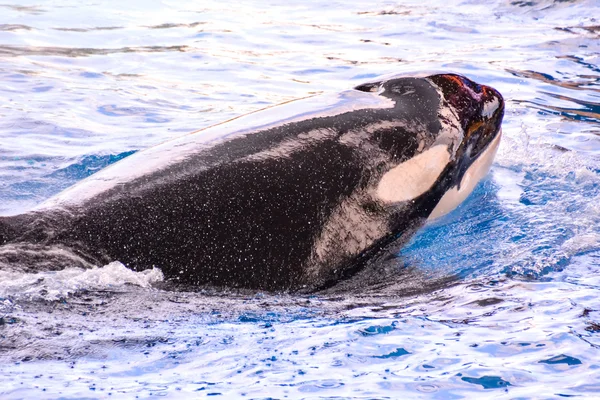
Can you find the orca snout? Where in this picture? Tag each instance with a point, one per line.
(479, 109)
(484, 127)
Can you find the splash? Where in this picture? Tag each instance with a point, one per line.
(56, 285)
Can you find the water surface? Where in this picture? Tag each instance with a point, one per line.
(508, 303)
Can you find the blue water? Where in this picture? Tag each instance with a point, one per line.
(84, 84)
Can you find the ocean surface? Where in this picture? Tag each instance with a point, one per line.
(507, 301)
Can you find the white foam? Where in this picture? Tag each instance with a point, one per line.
(53, 285)
(510, 184)
(581, 243)
(533, 153)
(550, 197)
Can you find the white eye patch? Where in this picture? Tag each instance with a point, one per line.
(413, 177)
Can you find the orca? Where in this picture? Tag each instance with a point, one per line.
(292, 197)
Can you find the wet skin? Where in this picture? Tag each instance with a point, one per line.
(298, 200)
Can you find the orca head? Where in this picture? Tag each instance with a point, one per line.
(457, 130)
(479, 110)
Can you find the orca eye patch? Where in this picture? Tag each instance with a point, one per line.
(414, 176)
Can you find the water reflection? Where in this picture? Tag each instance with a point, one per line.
(503, 293)
(16, 51)
(35, 10)
(590, 112)
(585, 82)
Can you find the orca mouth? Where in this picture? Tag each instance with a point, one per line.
(484, 128)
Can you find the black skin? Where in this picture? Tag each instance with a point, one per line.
(220, 218)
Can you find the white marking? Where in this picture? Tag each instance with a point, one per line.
(362, 136)
(489, 108)
(348, 231)
(413, 177)
(288, 147)
(473, 175)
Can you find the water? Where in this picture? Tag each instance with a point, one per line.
(85, 84)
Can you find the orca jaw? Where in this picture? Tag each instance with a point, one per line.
(476, 171)
(480, 110)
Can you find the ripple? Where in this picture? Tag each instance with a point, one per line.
(399, 352)
(487, 382)
(35, 10)
(502, 293)
(376, 330)
(561, 359)
(80, 30)
(585, 82)
(17, 51)
(427, 388)
(317, 386)
(590, 112)
(172, 25)
(14, 27)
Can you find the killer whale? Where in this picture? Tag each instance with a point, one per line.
(292, 197)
